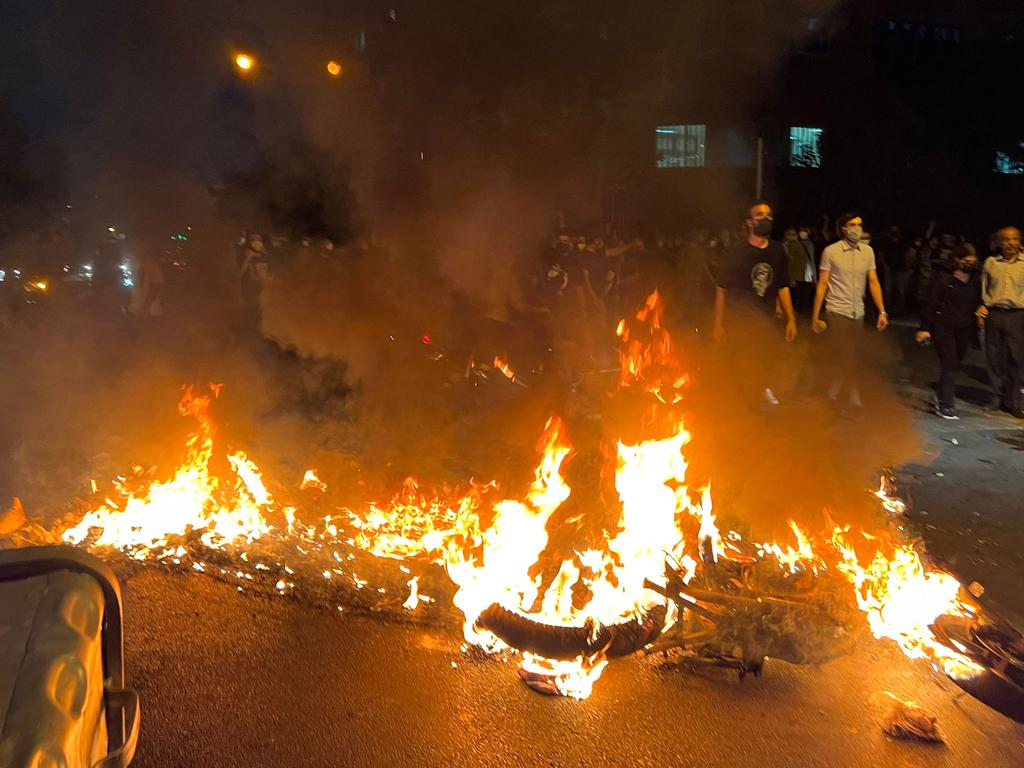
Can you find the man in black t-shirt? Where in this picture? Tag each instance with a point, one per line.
(755, 272)
(755, 275)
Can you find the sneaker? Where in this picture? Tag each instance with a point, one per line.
(769, 396)
(946, 412)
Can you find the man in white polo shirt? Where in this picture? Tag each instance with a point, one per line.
(847, 267)
(1002, 294)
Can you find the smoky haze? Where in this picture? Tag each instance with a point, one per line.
(435, 168)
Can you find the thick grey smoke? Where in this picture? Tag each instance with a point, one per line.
(151, 132)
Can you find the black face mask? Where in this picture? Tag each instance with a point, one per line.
(763, 227)
(967, 266)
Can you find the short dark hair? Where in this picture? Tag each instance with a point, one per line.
(756, 203)
(843, 220)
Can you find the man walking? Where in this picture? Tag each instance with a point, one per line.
(947, 318)
(1002, 294)
(756, 271)
(846, 267)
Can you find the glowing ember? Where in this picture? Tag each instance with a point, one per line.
(412, 602)
(892, 504)
(310, 480)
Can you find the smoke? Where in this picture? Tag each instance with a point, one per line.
(769, 464)
(447, 176)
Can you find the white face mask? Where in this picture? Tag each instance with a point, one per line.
(854, 233)
(803, 235)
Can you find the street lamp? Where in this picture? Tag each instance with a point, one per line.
(334, 68)
(245, 63)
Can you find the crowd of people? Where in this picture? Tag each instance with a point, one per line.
(747, 290)
(739, 289)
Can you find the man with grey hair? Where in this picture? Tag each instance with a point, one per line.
(847, 266)
(1002, 310)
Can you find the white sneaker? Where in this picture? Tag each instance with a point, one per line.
(770, 397)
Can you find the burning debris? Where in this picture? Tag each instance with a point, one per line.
(909, 721)
(606, 553)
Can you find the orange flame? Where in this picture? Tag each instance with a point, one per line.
(193, 500)
(646, 353)
(505, 368)
(311, 480)
(492, 550)
(901, 599)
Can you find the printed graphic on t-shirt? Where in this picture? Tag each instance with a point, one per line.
(761, 277)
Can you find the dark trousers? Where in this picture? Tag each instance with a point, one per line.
(951, 344)
(803, 296)
(754, 347)
(846, 337)
(1004, 349)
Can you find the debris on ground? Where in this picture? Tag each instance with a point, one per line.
(909, 721)
(17, 531)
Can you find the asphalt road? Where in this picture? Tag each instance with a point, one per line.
(235, 679)
(966, 486)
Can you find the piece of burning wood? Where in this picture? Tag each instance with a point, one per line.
(909, 721)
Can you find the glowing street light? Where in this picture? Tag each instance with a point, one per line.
(334, 68)
(245, 62)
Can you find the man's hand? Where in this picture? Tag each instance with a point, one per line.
(981, 312)
(718, 333)
(819, 326)
(791, 330)
(883, 321)
(922, 336)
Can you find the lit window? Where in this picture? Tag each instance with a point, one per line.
(1010, 164)
(805, 147)
(680, 146)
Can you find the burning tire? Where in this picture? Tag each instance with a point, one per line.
(566, 643)
(1000, 650)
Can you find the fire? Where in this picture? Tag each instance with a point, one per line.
(902, 599)
(801, 557)
(411, 525)
(646, 353)
(505, 368)
(311, 480)
(193, 501)
(624, 521)
(596, 586)
(414, 599)
(892, 504)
